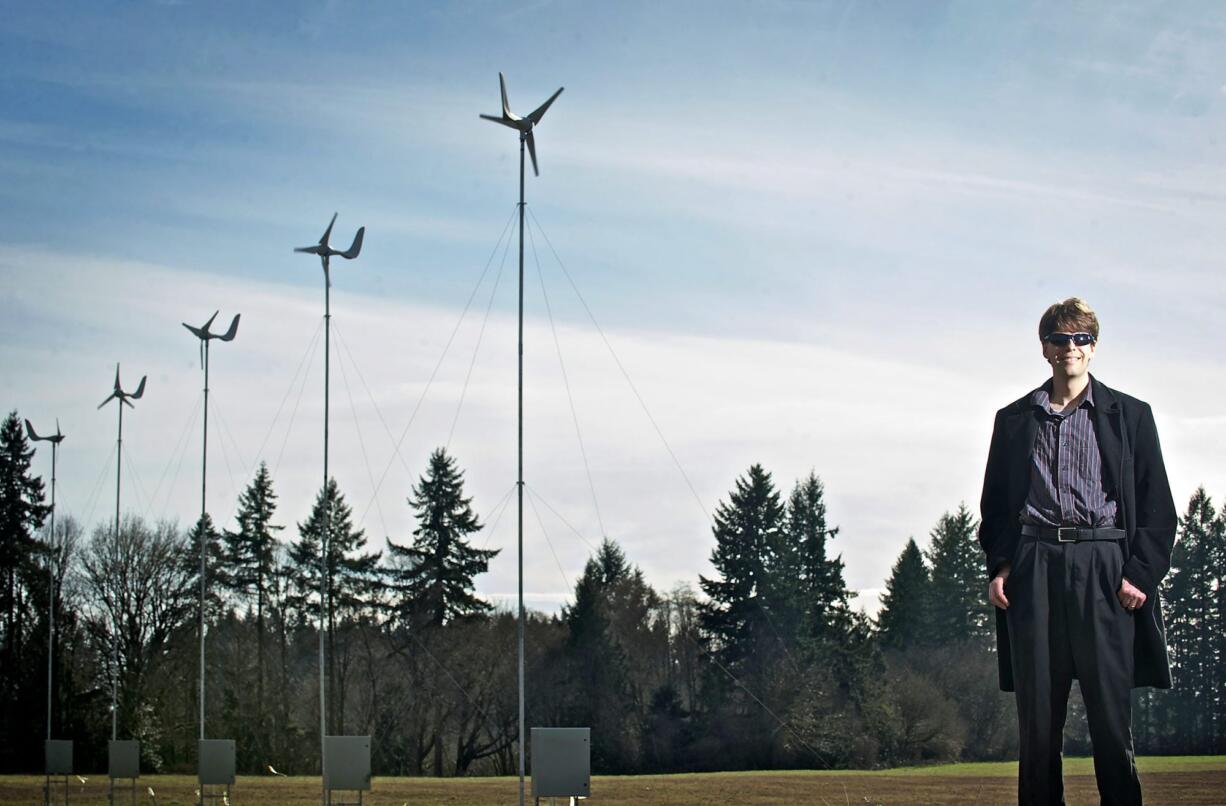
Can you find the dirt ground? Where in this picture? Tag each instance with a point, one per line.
(1202, 785)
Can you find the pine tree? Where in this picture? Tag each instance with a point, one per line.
(251, 551)
(904, 620)
(251, 558)
(611, 601)
(352, 577)
(821, 595)
(747, 530)
(959, 602)
(21, 515)
(434, 575)
(1192, 626)
(1217, 634)
(215, 565)
(21, 580)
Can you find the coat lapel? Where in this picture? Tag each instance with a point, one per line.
(1105, 415)
(1022, 430)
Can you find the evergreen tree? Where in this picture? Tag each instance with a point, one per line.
(21, 515)
(612, 601)
(747, 531)
(251, 557)
(352, 577)
(251, 551)
(819, 591)
(216, 576)
(351, 583)
(435, 574)
(904, 620)
(23, 598)
(1216, 556)
(1193, 627)
(960, 611)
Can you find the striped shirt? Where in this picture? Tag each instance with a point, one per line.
(1066, 470)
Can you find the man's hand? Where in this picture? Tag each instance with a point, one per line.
(1130, 595)
(996, 589)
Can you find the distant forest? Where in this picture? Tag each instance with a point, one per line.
(763, 665)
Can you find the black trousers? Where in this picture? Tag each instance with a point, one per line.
(1066, 621)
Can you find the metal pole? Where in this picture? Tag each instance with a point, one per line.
(51, 586)
(115, 577)
(323, 542)
(520, 480)
(204, 475)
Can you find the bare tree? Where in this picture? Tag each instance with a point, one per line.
(140, 593)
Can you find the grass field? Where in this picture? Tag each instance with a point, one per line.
(1191, 780)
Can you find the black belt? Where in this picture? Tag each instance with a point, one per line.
(1071, 534)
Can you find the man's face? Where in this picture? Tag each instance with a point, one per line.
(1068, 360)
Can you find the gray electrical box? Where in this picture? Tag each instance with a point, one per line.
(59, 756)
(123, 758)
(561, 762)
(216, 762)
(347, 762)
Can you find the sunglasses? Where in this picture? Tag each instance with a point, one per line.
(1062, 339)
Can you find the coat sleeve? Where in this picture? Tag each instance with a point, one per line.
(1154, 536)
(994, 534)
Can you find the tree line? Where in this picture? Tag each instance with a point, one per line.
(765, 665)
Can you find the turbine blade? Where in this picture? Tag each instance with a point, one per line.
(140, 390)
(356, 247)
(195, 331)
(536, 116)
(502, 85)
(34, 434)
(125, 402)
(117, 387)
(508, 123)
(531, 141)
(210, 322)
(328, 232)
(233, 331)
(57, 428)
(314, 250)
(109, 398)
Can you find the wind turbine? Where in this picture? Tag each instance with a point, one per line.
(525, 127)
(326, 252)
(55, 440)
(125, 399)
(205, 335)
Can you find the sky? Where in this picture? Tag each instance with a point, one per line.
(815, 236)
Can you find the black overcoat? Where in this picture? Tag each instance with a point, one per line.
(1133, 474)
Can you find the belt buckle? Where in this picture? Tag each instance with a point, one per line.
(1060, 530)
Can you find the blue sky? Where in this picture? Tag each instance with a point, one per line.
(817, 235)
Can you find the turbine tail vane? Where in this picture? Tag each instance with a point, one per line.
(356, 246)
(233, 331)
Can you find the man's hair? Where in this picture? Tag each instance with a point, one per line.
(1072, 315)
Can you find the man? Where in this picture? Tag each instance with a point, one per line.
(1078, 522)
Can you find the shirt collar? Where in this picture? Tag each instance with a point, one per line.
(1041, 398)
